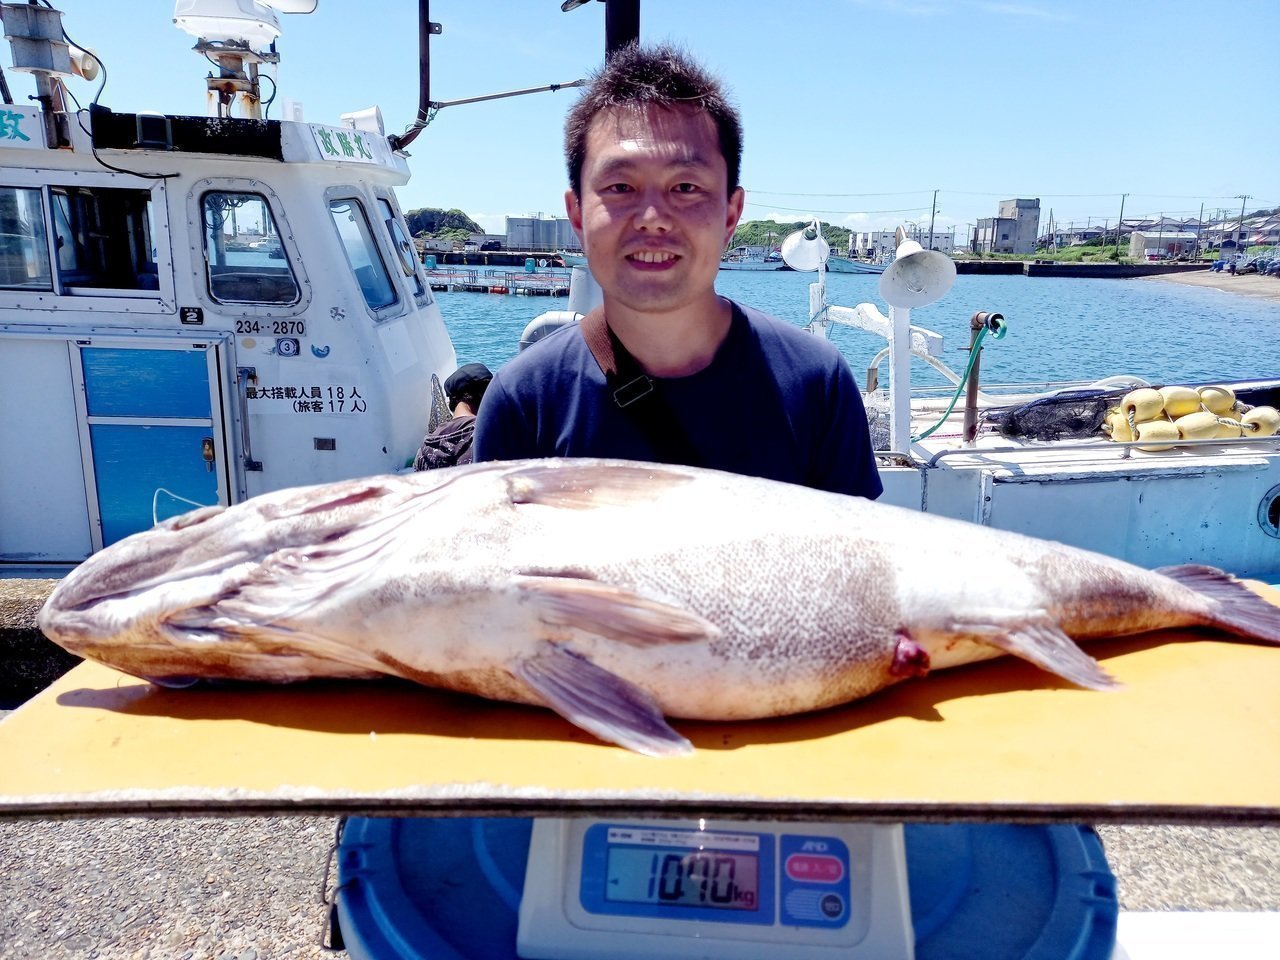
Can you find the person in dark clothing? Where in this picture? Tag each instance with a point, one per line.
(449, 444)
(653, 150)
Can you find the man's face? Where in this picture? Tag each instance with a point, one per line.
(655, 214)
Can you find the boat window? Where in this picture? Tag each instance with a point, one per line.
(103, 238)
(362, 253)
(24, 244)
(402, 245)
(243, 251)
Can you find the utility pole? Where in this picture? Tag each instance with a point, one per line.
(1242, 197)
(1199, 228)
(931, 218)
(1120, 224)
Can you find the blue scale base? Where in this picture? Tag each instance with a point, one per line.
(449, 889)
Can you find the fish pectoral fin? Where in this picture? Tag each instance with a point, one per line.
(1041, 641)
(586, 485)
(613, 612)
(600, 702)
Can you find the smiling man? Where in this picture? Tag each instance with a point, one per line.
(668, 370)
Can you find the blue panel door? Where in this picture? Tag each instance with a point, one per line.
(152, 434)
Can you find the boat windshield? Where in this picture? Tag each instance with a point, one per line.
(243, 252)
(24, 245)
(103, 238)
(401, 243)
(362, 253)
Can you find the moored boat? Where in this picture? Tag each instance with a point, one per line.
(838, 264)
(198, 309)
(751, 258)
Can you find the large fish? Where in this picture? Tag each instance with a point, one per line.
(614, 593)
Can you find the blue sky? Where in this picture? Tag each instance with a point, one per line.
(854, 110)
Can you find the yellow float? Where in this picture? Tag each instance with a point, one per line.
(1169, 414)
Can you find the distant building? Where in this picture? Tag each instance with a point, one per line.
(876, 244)
(1161, 244)
(871, 245)
(1012, 230)
(541, 233)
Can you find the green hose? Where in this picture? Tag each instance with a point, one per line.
(973, 358)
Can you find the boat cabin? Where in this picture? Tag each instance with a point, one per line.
(196, 310)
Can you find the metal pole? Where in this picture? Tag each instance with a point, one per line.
(1240, 240)
(900, 378)
(621, 24)
(976, 323)
(1120, 224)
(931, 218)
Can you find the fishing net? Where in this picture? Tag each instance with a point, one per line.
(1065, 415)
(440, 411)
(877, 407)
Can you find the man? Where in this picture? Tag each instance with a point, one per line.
(450, 444)
(654, 150)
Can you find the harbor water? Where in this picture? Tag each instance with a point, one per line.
(1059, 328)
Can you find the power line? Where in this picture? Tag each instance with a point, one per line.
(810, 210)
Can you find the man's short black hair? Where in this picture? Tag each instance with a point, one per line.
(636, 77)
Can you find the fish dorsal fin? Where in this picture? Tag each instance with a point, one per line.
(1041, 641)
(583, 486)
(600, 702)
(612, 612)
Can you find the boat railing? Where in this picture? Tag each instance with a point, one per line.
(1123, 448)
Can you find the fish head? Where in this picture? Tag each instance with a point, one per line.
(120, 606)
(152, 604)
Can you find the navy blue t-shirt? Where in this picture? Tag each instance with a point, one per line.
(775, 402)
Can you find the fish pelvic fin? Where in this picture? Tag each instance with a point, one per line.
(577, 486)
(1041, 641)
(613, 612)
(1235, 609)
(600, 702)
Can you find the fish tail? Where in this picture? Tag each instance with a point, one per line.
(1236, 608)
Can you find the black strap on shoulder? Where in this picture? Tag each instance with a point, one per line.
(627, 382)
(637, 393)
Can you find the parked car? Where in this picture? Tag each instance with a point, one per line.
(491, 245)
(1273, 268)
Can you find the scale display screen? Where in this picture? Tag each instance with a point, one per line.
(719, 879)
(701, 889)
(721, 876)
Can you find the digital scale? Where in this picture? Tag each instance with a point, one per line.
(570, 889)
(684, 890)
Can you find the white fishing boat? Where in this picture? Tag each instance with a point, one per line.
(572, 258)
(838, 264)
(196, 309)
(752, 258)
